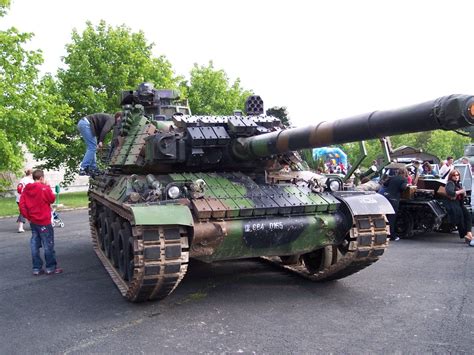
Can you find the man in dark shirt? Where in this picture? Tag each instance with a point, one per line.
(392, 190)
(93, 129)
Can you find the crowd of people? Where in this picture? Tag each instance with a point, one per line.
(331, 166)
(457, 213)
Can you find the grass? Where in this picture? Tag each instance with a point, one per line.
(8, 206)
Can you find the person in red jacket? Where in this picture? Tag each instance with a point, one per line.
(35, 204)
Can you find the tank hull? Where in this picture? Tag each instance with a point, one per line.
(146, 246)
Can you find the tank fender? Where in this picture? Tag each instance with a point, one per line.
(162, 214)
(365, 203)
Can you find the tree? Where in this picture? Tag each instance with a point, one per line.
(440, 143)
(210, 92)
(446, 143)
(4, 5)
(281, 113)
(29, 115)
(101, 62)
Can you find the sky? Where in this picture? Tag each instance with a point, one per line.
(323, 60)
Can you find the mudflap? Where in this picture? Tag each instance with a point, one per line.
(363, 203)
(162, 215)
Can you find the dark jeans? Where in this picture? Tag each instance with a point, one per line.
(20, 217)
(392, 218)
(89, 160)
(42, 236)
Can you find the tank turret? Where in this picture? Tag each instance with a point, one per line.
(207, 143)
(231, 187)
(158, 105)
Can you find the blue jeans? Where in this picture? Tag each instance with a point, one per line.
(42, 236)
(88, 162)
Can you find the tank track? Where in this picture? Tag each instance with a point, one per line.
(363, 246)
(155, 261)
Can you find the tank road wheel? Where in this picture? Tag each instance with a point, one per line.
(290, 259)
(101, 230)
(108, 236)
(123, 250)
(114, 244)
(362, 246)
(129, 259)
(319, 259)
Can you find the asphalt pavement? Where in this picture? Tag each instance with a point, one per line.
(418, 298)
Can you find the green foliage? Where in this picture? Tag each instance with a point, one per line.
(210, 92)
(74, 199)
(314, 164)
(281, 113)
(101, 62)
(307, 156)
(353, 151)
(8, 206)
(446, 143)
(440, 143)
(4, 6)
(29, 115)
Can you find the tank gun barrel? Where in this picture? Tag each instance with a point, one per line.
(447, 113)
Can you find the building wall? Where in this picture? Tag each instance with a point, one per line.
(54, 177)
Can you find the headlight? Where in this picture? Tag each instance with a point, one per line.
(334, 185)
(174, 192)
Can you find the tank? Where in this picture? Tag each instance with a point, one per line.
(422, 207)
(218, 188)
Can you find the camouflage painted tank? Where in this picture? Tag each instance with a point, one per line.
(217, 188)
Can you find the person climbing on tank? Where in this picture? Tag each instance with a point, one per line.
(457, 212)
(93, 129)
(35, 205)
(392, 189)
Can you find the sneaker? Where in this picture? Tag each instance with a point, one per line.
(38, 272)
(83, 172)
(395, 239)
(55, 271)
(96, 171)
(21, 230)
